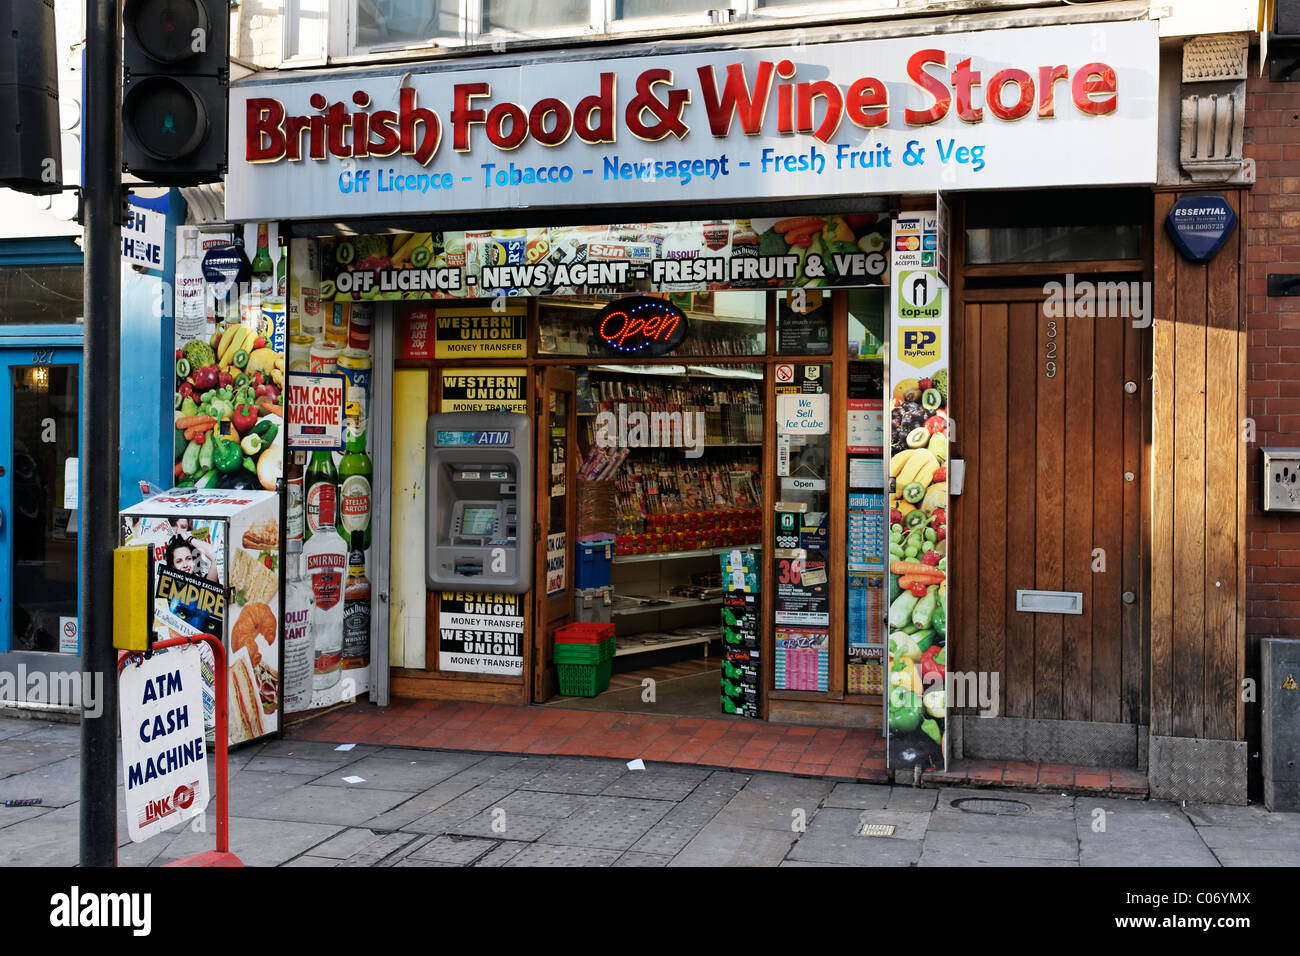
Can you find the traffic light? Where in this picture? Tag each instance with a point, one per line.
(30, 157)
(175, 80)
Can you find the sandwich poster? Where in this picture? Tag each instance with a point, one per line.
(253, 649)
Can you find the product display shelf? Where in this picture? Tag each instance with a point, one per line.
(678, 555)
(665, 603)
(647, 642)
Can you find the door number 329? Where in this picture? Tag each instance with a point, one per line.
(1049, 366)
(42, 356)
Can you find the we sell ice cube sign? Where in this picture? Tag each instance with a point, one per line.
(164, 761)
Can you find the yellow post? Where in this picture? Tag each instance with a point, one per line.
(132, 598)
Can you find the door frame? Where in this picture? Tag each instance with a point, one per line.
(544, 683)
(17, 345)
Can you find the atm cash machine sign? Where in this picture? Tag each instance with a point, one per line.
(497, 439)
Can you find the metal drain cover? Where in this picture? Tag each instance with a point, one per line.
(995, 806)
(876, 829)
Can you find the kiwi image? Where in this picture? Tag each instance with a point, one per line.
(345, 253)
(914, 518)
(918, 437)
(327, 289)
(931, 399)
(420, 256)
(913, 492)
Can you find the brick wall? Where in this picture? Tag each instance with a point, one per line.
(1273, 356)
(256, 33)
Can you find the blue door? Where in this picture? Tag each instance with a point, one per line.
(40, 433)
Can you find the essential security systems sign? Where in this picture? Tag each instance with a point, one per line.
(1044, 106)
(164, 762)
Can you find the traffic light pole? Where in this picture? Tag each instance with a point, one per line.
(102, 204)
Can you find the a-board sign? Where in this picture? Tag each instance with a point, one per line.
(164, 757)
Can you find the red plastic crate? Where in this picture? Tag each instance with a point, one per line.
(584, 633)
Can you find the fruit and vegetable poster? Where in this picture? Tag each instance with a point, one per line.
(618, 259)
(230, 331)
(916, 706)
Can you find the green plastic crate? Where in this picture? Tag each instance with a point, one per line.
(584, 680)
(585, 653)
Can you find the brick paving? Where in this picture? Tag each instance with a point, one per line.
(721, 743)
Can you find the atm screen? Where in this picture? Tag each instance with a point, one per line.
(478, 521)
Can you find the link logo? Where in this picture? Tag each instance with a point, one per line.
(919, 346)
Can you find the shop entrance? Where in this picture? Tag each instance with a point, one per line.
(1048, 408)
(648, 474)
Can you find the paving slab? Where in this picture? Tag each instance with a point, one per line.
(1215, 815)
(912, 798)
(773, 812)
(347, 843)
(417, 772)
(542, 803)
(40, 842)
(797, 791)
(658, 782)
(11, 815)
(504, 852)
(492, 824)
(589, 777)
(1255, 857)
(309, 860)
(944, 858)
(832, 838)
(18, 756)
(859, 796)
(545, 854)
(809, 863)
(725, 844)
(1251, 838)
(613, 823)
(256, 842)
(58, 783)
(251, 789)
(464, 806)
(13, 726)
(461, 850)
(1042, 805)
(61, 733)
(435, 797)
(337, 806)
(667, 838)
(385, 851)
(635, 858)
(965, 848)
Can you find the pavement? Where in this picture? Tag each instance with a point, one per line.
(298, 802)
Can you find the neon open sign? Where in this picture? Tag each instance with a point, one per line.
(641, 325)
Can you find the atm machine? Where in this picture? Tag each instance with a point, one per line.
(480, 514)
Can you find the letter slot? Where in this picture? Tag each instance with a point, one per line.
(1050, 602)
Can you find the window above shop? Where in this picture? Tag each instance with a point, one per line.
(40, 282)
(376, 26)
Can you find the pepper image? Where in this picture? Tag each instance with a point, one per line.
(933, 666)
(931, 730)
(227, 455)
(904, 710)
(244, 417)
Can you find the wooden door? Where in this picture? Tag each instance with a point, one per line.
(1052, 441)
(555, 513)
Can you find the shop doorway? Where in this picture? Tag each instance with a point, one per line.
(648, 474)
(1048, 413)
(40, 432)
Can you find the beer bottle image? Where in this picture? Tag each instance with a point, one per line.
(262, 268)
(354, 490)
(282, 269)
(320, 506)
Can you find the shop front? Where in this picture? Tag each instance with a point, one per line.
(718, 350)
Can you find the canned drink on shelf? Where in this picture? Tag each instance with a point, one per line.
(355, 366)
(300, 347)
(324, 358)
(274, 322)
(509, 247)
(359, 327)
(337, 315)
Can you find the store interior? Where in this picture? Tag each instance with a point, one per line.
(670, 473)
